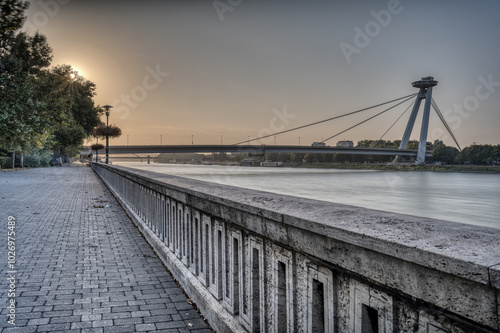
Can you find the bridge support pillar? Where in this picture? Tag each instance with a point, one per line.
(411, 122)
(422, 143)
(425, 85)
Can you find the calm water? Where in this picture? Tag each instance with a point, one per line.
(458, 197)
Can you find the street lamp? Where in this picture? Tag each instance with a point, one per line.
(107, 107)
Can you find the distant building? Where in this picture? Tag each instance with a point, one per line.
(318, 144)
(345, 144)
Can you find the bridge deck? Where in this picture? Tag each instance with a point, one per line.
(82, 266)
(152, 149)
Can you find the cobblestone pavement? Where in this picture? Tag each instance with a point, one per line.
(81, 265)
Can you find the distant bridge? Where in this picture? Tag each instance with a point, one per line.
(141, 151)
(424, 85)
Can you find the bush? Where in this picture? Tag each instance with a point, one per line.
(37, 158)
(5, 162)
(32, 160)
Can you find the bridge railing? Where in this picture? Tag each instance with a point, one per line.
(261, 262)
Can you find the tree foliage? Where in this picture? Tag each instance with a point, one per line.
(445, 154)
(81, 93)
(479, 155)
(11, 18)
(39, 107)
(26, 118)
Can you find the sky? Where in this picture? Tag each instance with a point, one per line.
(206, 72)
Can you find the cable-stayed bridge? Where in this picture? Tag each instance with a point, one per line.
(424, 85)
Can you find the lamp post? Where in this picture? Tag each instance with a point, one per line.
(107, 107)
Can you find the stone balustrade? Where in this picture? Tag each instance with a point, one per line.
(260, 262)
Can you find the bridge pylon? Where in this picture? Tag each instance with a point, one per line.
(425, 85)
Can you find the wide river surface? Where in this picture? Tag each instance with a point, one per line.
(459, 197)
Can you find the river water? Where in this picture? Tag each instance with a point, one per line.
(459, 197)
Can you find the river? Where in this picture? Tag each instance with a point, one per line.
(470, 198)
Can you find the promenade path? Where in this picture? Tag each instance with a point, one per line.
(81, 264)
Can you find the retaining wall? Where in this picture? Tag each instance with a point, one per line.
(254, 261)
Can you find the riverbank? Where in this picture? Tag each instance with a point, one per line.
(401, 167)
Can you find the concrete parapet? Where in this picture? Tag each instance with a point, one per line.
(262, 262)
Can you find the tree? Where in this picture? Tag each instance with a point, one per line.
(310, 158)
(81, 92)
(444, 153)
(81, 115)
(26, 118)
(478, 154)
(39, 107)
(297, 157)
(68, 138)
(328, 158)
(11, 19)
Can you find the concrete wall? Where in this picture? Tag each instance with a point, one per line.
(262, 262)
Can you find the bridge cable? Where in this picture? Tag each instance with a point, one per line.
(364, 121)
(434, 105)
(323, 121)
(394, 123)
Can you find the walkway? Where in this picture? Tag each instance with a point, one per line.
(81, 265)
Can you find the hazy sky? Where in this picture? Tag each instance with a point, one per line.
(240, 68)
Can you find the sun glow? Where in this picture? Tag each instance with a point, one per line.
(77, 72)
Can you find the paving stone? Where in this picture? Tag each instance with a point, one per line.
(53, 327)
(157, 319)
(62, 320)
(128, 321)
(91, 317)
(140, 313)
(120, 329)
(145, 327)
(83, 324)
(82, 268)
(38, 321)
(117, 315)
(102, 323)
(171, 324)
